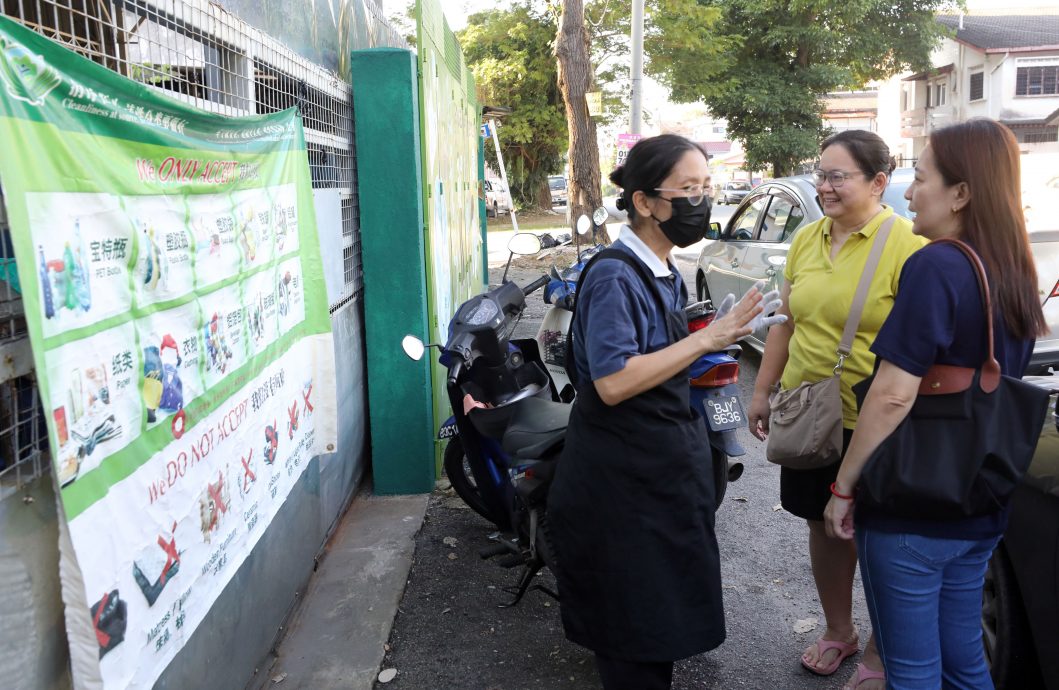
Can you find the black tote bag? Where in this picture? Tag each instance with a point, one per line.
(966, 443)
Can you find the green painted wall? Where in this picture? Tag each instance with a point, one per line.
(450, 124)
(393, 246)
(481, 211)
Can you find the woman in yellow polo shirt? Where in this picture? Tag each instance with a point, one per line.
(824, 264)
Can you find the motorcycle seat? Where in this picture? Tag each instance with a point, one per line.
(536, 427)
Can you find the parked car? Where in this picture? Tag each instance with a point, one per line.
(497, 198)
(1020, 602)
(753, 246)
(733, 192)
(557, 185)
(1042, 221)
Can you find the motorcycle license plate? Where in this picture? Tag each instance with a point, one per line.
(723, 410)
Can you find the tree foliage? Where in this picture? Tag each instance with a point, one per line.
(765, 65)
(510, 53)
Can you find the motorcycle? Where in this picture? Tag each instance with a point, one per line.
(714, 392)
(506, 430)
(559, 293)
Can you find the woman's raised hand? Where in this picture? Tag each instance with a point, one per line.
(770, 303)
(733, 321)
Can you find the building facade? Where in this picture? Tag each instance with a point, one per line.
(1001, 67)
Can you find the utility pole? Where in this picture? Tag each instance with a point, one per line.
(636, 115)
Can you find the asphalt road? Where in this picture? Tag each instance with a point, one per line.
(449, 632)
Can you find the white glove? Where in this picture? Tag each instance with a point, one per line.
(770, 303)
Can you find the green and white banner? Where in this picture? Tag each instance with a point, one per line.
(169, 270)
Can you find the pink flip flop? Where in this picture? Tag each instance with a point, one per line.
(845, 649)
(864, 674)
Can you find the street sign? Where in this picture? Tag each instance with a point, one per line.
(595, 103)
(624, 143)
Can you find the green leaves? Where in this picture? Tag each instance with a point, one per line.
(510, 53)
(765, 65)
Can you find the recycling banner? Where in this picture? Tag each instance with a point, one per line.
(169, 269)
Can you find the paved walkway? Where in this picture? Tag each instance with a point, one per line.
(337, 636)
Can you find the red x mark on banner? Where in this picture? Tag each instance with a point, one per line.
(305, 395)
(248, 474)
(215, 493)
(172, 555)
(292, 425)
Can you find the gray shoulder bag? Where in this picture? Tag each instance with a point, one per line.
(805, 422)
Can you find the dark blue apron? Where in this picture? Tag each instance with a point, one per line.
(631, 512)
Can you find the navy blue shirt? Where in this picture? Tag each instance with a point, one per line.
(938, 318)
(617, 316)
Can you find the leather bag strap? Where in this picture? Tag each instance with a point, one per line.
(845, 346)
(990, 378)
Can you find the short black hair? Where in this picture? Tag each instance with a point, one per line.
(867, 148)
(649, 162)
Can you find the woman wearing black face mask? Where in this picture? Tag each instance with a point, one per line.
(631, 507)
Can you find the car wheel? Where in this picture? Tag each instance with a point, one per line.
(1006, 636)
(496, 210)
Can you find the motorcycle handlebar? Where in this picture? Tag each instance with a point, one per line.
(535, 285)
(454, 371)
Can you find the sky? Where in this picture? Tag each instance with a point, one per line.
(456, 11)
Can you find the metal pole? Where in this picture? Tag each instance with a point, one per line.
(503, 174)
(637, 67)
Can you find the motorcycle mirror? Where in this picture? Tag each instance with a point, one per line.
(777, 260)
(413, 347)
(584, 224)
(600, 215)
(524, 244)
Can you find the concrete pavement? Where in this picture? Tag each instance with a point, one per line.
(336, 637)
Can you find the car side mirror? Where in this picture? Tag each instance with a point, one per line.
(714, 231)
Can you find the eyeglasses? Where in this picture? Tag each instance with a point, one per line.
(694, 194)
(837, 178)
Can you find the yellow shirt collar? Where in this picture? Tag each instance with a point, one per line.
(869, 230)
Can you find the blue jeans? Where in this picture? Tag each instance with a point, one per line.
(925, 599)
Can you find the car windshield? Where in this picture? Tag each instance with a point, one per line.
(739, 186)
(556, 183)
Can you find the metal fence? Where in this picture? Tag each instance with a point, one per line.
(196, 52)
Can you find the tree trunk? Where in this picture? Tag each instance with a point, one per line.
(575, 78)
(544, 195)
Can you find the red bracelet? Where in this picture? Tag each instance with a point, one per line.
(835, 492)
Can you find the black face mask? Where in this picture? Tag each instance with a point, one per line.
(688, 223)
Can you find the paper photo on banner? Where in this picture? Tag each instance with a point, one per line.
(171, 349)
(223, 333)
(262, 314)
(109, 620)
(163, 268)
(94, 399)
(156, 564)
(253, 210)
(83, 243)
(215, 505)
(284, 218)
(290, 295)
(217, 255)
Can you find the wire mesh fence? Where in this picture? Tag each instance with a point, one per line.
(196, 52)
